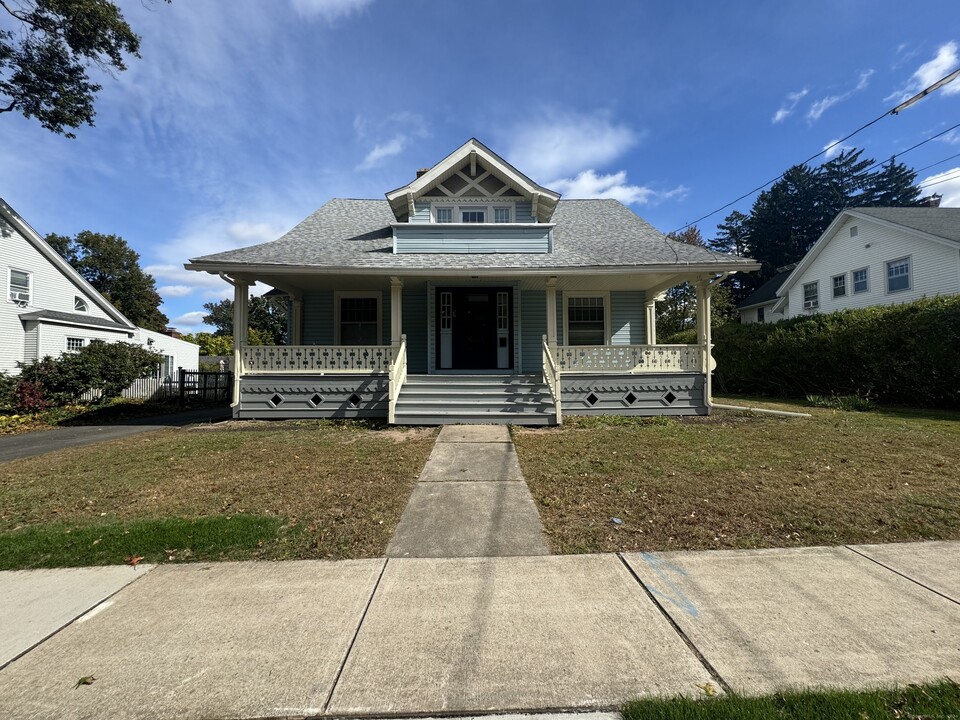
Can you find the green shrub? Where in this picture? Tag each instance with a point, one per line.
(8, 384)
(902, 354)
(856, 403)
(684, 337)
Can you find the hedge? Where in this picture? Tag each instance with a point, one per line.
(901, 354)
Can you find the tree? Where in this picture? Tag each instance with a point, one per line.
(894, 186)
(211, 344)
(113, 268)
(733, 238)
(267, 318)
(47, 51)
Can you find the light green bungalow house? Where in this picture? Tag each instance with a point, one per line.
(473, 294)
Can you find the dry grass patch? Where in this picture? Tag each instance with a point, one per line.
(746, 481)
(336, 490)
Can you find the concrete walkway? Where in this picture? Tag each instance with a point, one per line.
(14, 447)
(479, 635)
(471, 500)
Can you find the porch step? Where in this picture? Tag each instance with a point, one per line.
(452, 399)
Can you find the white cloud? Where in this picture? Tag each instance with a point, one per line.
(329, 10)
(381, 152)
(174, 290)
(190, 319)
(588, 184)
(945, 60)
(951, 138)
(789, 105)
(947, 184)
(564, 143)
(833, 148)
(819, 107)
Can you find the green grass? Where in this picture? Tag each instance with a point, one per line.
(743, 480)
(930, 701)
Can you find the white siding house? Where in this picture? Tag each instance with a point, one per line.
(47, 308)
(876, 256)
(758, 306)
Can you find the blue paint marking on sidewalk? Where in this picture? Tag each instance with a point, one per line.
(676, 597)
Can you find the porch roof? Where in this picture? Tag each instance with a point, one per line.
(356, 235)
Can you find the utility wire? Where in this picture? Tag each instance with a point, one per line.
(954, 176)
(938, 162)
(914, 147)
(892, 111)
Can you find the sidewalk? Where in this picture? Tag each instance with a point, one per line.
(14, 447)
(405, 636)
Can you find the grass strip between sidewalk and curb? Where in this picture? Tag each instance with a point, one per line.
(929, 701)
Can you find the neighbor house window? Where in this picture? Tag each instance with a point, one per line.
(444, 215)
(79, 304)
(473, 216)
(501, 215)
(761, 315)
(811, 296)
(358, 321)
(898, 275)
(839, 285)
(20, 282)
(860, 281)
(74, 344)
(586, 320)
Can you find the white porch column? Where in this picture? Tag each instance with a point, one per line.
(241, 294)
(396, 310)
(651, 319)
(705, 336)
(296, 320)
(552, 312)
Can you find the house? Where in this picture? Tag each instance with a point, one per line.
(472, 294)
(49, 309)
(757, 307)
(876, 256)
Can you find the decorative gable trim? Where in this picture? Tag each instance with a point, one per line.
(431, 183)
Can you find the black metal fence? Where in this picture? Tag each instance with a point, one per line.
(203, 385)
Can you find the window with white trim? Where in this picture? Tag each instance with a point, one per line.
(501, 215)
(860, 281)
(761, 314)
(21, 285)
(358, 319)
(79, 304)
(75, 343)
(443, 214)
(839, 285)
(586, 320)
(473, 216)
(898, 275)
(811, 295)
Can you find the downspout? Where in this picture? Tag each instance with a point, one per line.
(237, 357)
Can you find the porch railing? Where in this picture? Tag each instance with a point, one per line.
(316, 358)
(398, 376)
(551, 376)
(630, 358)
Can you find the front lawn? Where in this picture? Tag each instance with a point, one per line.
(735, 480)
(268, 491)
(111, 411)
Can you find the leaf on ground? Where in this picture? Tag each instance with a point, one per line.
(134, 560)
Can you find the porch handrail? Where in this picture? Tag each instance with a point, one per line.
(634, 359)
(398, 376)
(551, 376)
(372, 359)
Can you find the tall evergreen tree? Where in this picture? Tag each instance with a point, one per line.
(894, 186)
(733, 238)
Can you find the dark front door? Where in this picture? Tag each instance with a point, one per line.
(474, 328)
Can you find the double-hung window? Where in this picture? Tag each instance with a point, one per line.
(839, 285)
(811, 296)
(761, 315)
(444, 215)
(501, 215)
(358, 321)
(898, 275)
(860, 283)
(20, 282)
(586, 320)
(75, 343)
(473, 216)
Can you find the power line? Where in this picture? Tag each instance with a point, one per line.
(938, 162)
(955, 175)
(914, 147)
(892, 111)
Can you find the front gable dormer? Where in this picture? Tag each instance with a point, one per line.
(472, 201)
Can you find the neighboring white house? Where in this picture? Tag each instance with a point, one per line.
(876, 256)
(758, 306)
(48, 308)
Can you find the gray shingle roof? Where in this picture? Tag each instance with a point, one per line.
(74, 318)
(357, 234)
(942, 222)
(768, 291)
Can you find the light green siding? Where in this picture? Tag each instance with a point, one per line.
(533, 314)
(318, 318)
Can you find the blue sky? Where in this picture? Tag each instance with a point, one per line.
(245, 116)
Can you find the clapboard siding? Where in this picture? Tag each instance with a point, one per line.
(935, 268)
(339, 396)
(421, 213)
(448, 238)
(522, 213)
(415, 328)
(533, 311)
(318, 318)
(627, 317)
(638, 395)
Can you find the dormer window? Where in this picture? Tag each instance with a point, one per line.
(79, 304)
(444, 215)
(501, 215)
(473, 216)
